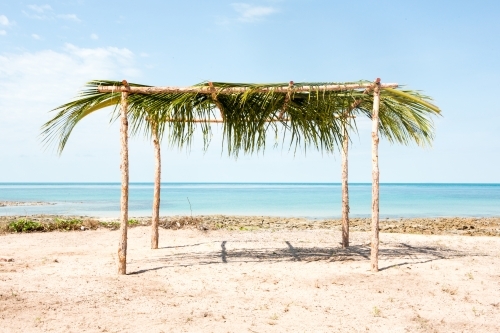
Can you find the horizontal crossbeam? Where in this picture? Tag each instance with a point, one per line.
(238, 90)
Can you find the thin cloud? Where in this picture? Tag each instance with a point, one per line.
(35, 36)
(53, 77)
(45, 12)
(3, 32)
(69, 17)
(4, 20)
(251, 13)
(94, 36)
(54, 71)
(40, 9)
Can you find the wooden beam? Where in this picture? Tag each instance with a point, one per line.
(238, 90)
(217, 121)
(358, 101)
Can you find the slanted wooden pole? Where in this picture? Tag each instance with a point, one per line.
(345, 188)
(122, 245)
(155, 220)
(375, 179)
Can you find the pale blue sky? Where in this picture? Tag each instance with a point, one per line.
(448, 49)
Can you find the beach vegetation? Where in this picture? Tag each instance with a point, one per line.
(66, 225)
(112, 225)
(423, 323)
(133, 222)
(450, 290)
(25, 225)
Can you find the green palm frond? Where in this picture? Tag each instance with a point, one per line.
(405, 116)
(68, 115)
(313, 118)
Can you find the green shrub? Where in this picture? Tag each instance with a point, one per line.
(25, 225)
(133, 222)
(110, 225)
(73, 224)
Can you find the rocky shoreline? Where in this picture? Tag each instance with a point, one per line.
(24, 203)
(472, 226)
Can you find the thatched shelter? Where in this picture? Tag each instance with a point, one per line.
(309, 114)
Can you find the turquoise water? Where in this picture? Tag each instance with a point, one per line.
(278, 199)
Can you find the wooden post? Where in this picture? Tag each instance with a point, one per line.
(345, 168)
(122, 245)
(345, 189)
(375, 178)
(156, 196)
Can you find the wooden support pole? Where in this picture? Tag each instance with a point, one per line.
(155, 219)
(238, 90)
(122, 245)
(345, 167)
(375, 179)
(345, 188)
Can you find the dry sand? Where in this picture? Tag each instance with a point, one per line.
(248, 281)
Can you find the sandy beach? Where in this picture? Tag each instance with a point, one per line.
(265, 280)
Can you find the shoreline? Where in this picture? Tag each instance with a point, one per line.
(4, 203)
(470, 226)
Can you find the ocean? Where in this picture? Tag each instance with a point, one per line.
(311, 200)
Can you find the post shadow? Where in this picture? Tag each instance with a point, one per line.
(224, 252)
(293, 251)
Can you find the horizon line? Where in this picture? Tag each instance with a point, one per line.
(259, 182)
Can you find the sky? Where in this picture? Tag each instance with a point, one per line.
(447, 49)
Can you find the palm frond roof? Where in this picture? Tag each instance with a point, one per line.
(306, 113)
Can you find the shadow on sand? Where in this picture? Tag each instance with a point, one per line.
(411, 254)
